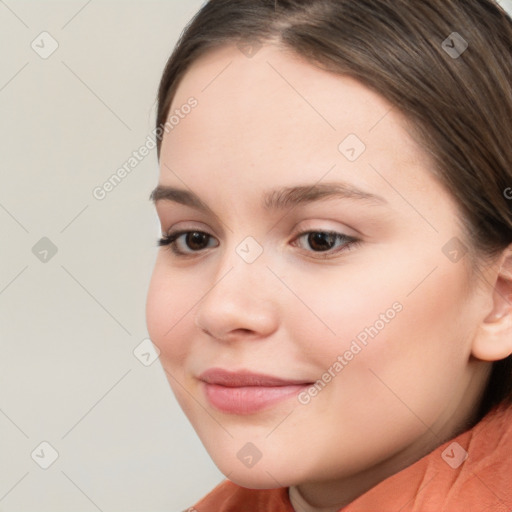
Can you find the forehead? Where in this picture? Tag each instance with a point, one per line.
(272, 93)
(277, 118)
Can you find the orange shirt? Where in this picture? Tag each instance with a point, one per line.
(470, 473)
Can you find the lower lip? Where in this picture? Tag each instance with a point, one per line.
(249, 399)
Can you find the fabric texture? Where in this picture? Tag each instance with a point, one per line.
(470, 473)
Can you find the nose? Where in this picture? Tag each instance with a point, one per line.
(241, 303)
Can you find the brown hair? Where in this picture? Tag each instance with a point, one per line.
(458, 103)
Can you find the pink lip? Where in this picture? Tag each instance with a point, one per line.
(245, 392)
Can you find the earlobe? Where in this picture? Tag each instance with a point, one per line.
(494, 338)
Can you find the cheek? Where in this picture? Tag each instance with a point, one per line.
(168, 305)
(340, 310)
(410, 334)
(435, 327)
(419, 360)
(168, 318)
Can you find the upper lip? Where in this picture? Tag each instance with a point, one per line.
(244, 378)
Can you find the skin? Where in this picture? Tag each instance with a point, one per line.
(292, 311)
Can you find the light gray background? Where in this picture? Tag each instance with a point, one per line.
(69, 326)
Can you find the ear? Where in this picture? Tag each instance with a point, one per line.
(494, 338)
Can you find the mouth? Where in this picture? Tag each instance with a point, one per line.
(246, 392)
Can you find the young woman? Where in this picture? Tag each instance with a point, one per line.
(331, 296)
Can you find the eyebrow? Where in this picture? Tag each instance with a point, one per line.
(277, 199)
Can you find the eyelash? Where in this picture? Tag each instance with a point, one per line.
(169, 240)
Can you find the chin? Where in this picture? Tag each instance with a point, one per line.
(255, 481)
(263, 475)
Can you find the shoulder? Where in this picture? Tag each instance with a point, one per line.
(470, 472)
(230, 497)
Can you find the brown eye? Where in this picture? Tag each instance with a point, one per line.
(184, 243)
(324, 241)
(197, 240)
(321, 241)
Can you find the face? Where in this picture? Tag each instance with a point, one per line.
(310, 243)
